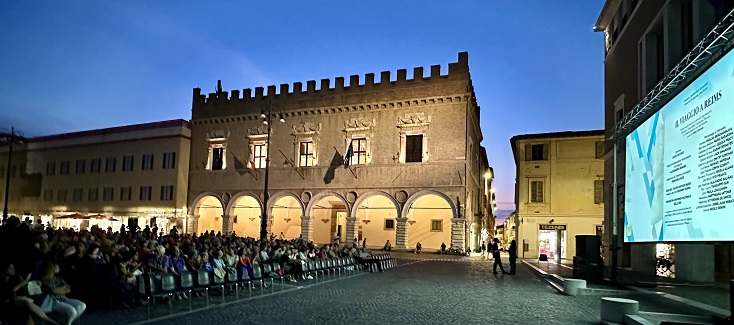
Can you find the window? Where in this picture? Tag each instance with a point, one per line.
(305, 154)
(110, 164)
(359, 151)
(145, 193)
(48, 195)
(50, 168)
(80, 166)
(64, 168)
(61, 195)
(126, 193)
(77, 195)
(260, 155)
(599, 191)
(217, 158)
(436, 225)
(127, 163)
(599, 149)
(389, 224)
(93, 194)
(536, 152)
(536, 191)
(147, 162)
(95, 165)
(167, 193)
(108, 194)
(169, 160)
(414, 148)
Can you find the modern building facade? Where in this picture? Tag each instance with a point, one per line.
(644, 42)
(558, 191)
(132, 175)
(411, 146)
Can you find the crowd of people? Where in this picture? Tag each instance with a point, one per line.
(45, 270)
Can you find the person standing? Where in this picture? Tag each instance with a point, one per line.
(364, 243)
(496, 257)
(483, 248)
(513, 256)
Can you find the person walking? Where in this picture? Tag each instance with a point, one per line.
(496, 257)
(513, 256)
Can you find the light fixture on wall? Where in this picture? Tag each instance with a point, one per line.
(287, 219)
(252, 218)
(325, 220)
(551, 220)
(411, 222)
(366, 221)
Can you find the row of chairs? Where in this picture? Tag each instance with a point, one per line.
(169, 285)
(384, 262)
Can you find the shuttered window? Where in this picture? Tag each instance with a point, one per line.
(536, 191)
(414, 148)
(599, 191)
(535, 152)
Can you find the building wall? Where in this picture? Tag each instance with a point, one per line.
(569, 176)
(441, 107)
(35, 177)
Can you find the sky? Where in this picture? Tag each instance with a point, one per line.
(68, 66)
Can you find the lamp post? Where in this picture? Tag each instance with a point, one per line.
(10, 138)
(266, 114)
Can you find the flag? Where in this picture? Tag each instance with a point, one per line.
(348, 156)
(252, 164)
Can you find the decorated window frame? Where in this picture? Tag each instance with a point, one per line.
(413, 124)
(357, 129)
(216, 140)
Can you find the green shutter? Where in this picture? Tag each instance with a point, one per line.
(528, 152)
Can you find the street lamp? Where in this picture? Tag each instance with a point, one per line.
(267, 114)
(9, 138)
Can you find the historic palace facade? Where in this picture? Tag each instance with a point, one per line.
(414, 171)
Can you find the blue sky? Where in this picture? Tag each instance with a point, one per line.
(77, 65)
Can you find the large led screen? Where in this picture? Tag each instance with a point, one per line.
(678, 171)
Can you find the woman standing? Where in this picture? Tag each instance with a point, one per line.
(58, 289)
(513, 256)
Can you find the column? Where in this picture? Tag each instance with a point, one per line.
(193, 224)
(227, 224)
(352, 229)
(457, 232)
(307, 228)
(401, 234)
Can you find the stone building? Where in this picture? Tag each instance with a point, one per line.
(133, 175)
(415, 171)
(646, 43)
(558, 191)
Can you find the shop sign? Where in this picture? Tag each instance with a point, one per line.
(599, 228)
(552, 227)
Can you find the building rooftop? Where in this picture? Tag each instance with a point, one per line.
(113, 130)
(563, 134)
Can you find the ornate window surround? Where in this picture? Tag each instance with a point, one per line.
(257, 136)
(216, 139)
(413, 124)
(356, 128)
(306, 132)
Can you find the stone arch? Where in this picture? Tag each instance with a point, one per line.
(246, 221)
(210, 217)
(317, 225)
(287, 222)
(419, 223)
(373, 229)
(418, 194)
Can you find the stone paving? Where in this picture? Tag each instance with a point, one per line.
(417, 292)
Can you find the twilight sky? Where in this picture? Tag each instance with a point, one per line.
(76, 65)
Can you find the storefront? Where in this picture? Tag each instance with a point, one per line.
(550, 237)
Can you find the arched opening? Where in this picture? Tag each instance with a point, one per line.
(429, 222)
(329, 218)
(245, 216)
(209, 209)
(376, 220)
(286, 217)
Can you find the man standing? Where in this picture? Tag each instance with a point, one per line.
(496, 256)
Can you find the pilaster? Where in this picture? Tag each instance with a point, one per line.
(307, 228)
(193, 224)
(227, 224)
(457, 232)
(351, 229)
(401, 234)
